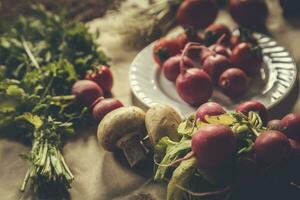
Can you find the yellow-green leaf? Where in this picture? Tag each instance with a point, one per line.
(35, 120)
(200, 124)
(223, 119)
(14, 90)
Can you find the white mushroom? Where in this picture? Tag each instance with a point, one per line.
(162, 120)
(123, 129)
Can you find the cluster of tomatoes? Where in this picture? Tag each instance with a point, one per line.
(197, 62)
(91, 92)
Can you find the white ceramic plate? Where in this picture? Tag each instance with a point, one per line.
(278, 76)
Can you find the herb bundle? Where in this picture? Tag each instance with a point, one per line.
(41, 56)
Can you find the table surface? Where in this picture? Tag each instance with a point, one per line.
(101, 175)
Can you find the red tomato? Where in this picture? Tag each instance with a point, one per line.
(165, 48)
(103, 77)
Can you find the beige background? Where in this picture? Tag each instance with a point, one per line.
(100, 175)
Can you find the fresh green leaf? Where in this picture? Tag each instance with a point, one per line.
(35, 120)
(180, 179)
(224, 119)
(173, 152)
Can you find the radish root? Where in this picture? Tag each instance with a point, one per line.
(186, 157)
(189, 46)
(225, 190)
(295, 185)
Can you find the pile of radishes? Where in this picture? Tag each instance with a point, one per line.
(91, 92)
(231, 150)
(279, 142)
(214, 58)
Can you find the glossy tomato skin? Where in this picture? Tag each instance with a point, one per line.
(213, 145)
(103, 77)
(249, 13)
(290, 125)
(233, 82)
(165, 48)
(255, 106)
(215, 65)
(171, 67)
(194, 86)
(272, 147)
(197, 14)
(249, 60)
(215, 31)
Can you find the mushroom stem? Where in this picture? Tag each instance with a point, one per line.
(132, 148)
(146, 143)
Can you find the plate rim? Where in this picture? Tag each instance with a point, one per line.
(261, 35)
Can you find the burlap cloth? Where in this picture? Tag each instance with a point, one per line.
(101, 175)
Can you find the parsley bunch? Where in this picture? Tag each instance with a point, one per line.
(41, 56)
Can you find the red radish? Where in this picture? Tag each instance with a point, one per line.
(190, 35)
(221, 49)
(197, 14)
(213, 145)
(164, 48)
(295, 147)
(247, 58)
(193, 85)
(247, 171)
(210, 109)
(234, 41)
(182, 39)
(103, 77)
(272, 147)
(171, 67)
(249, 13)
(103, 106)
(290, 125)
(215, 65)
(245, 35)
(255, 106)
(204, 53)
(233, 82)
(274, 124)
(214, 32)
(86, 92)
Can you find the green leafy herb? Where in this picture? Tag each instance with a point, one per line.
(180, 178)
(41, 56)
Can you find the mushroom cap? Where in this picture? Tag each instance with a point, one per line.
(119, 123)
(162, 120)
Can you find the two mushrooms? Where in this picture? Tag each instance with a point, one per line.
(136, 132)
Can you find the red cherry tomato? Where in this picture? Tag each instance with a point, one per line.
(103, 77)
(165, 48)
